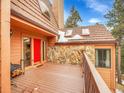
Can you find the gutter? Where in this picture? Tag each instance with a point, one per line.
(87, 42)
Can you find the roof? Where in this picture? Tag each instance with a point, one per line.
(98, 33)
(30, 11)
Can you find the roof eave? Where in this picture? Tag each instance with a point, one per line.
(14, 13)
(88, 42)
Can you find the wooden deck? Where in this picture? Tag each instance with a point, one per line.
(50, 78)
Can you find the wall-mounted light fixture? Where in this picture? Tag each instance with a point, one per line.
(11, 32)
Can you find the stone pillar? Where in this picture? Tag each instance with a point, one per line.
(5, 46)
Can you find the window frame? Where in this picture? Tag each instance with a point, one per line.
(109, 56)
(46, 16)
(47, 10)
(69, 32)
(44, 50)
(85, 32)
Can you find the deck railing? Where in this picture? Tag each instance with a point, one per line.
(93, 81)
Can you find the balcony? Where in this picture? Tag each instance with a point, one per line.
(61, 78)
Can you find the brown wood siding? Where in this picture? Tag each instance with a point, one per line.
(30, 9)
(16, 47)
(16, 43)
(106, 75)
(52, 41)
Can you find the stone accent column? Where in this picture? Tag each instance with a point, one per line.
(5, 46)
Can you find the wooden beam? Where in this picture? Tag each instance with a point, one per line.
(5, 45)
(19, 23)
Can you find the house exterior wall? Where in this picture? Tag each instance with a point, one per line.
(52, 41)
(30, 11)
(16, 48)
(69, 53)
(27, 10)
(108, 74)
(17, 44)
(73, 54)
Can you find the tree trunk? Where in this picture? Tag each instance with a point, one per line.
(119, 64)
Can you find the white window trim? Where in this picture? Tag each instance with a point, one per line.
(68, 32)
(43, 6)
(85, 31)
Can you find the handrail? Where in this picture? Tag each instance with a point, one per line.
(93, 81)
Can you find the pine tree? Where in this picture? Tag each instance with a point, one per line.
(122, 57)
(73, 19)
(116, 21)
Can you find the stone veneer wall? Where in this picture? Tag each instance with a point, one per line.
(69, 53)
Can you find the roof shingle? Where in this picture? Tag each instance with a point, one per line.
(98, 32)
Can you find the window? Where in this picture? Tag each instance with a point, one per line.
(44, 50)
(103, 58)
(68, 32)
(51, 2)
(85, 31)
(44, 9)
(77, 37)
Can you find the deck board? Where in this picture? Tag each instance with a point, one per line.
(50, 78)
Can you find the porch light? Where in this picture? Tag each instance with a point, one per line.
(11, 32)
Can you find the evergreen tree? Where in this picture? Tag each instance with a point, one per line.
(116, 21)
(73, 19)
(122, 58)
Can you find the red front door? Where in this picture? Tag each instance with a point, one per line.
(37, 50)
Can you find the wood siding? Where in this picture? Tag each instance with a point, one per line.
(16, 47)
(16, 44)
(29, 10)
(106, 75)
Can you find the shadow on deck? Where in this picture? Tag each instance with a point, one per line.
(50, 78)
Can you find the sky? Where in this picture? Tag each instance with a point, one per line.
(91, 11)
